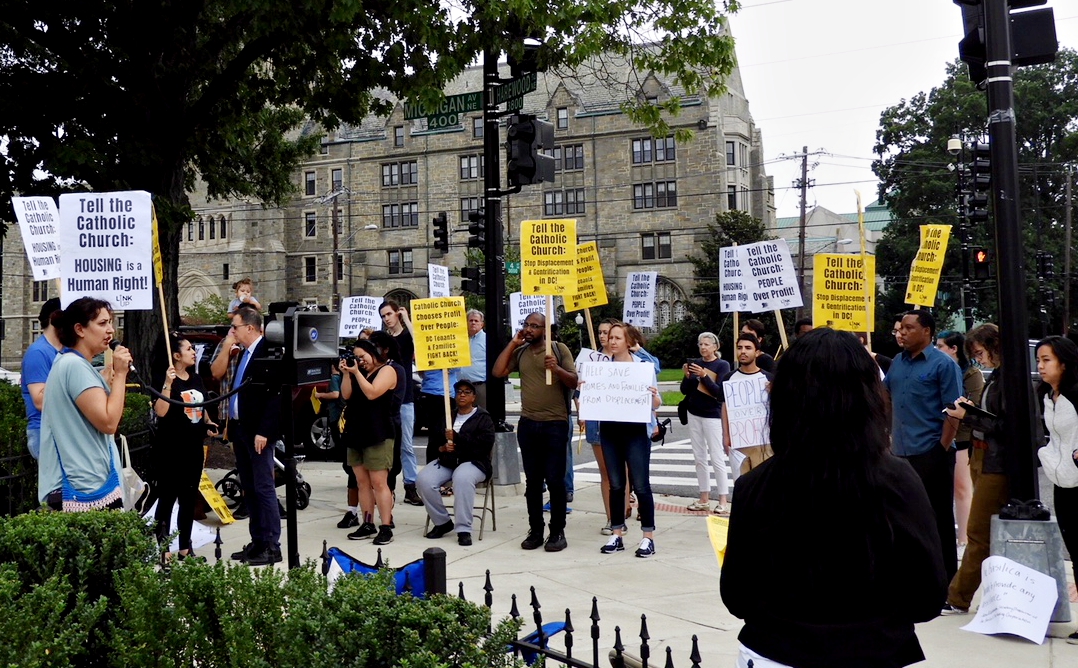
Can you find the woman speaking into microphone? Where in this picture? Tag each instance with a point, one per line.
(79, 465)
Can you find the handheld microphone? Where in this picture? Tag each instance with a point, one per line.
(114, 344)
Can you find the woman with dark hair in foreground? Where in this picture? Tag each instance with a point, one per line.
(78, 469)
(833, 552)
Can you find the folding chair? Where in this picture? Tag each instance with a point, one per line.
(486, 504)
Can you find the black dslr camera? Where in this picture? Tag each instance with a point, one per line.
(348, 357)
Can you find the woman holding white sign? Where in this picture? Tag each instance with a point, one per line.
(870, 569)
(702, 387)
(628, 443)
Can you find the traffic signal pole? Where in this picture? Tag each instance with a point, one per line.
(1010, 274)
(494, 252)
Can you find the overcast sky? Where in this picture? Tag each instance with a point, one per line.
(818, 73)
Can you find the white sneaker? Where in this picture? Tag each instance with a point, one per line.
(646, 549)
(615, 544)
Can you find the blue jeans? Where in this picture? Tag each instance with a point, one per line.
(408, 464)
(33, 441)
(628, 443)
(542, 451)
(259, 491)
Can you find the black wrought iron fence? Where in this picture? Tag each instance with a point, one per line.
(537, 643)
(18, 474)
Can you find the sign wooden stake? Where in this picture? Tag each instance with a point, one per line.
(782, 332)
(591, 330)
(549, 318)
(445, 398)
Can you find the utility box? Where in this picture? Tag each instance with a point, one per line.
(506, 460)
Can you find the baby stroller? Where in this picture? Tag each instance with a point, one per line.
(229, 486)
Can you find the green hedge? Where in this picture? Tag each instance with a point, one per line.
(82, 590)
(58, 583)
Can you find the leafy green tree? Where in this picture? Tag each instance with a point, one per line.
(213, 310)
(729, 228)
(919, 187)
(113, 95)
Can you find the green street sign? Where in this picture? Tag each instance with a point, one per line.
(516, 88)
(512, 268)
(514, 104)
(453, 106)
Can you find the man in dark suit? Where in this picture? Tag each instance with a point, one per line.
(253, 429)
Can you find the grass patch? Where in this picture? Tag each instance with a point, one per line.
(671, 398)
(671, 375)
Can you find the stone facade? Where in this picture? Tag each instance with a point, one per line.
(393, 176)
(387, 195)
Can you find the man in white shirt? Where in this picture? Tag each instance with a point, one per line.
(743, 460)
(476, 374)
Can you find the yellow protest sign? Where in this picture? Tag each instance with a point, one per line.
(927, 264)
(440, 328)
(718, 529)
(590, 285)
(158, 264)
(210, 493)
(548, 257)
(839, 292)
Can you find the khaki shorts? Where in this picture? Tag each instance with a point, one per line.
(378, 457)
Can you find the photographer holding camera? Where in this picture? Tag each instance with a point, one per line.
(368, 434)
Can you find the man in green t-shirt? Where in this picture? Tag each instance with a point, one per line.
(543, 429)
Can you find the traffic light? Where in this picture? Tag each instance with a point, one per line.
(471, 280)
(477, 228)
(441, 232)
(982, 263)
(1046, 266)
(979, 182)
(1033, 36)
(528, 137)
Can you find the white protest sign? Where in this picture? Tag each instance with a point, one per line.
(107, 248)
(357, 314)
(639, 309)
(438, 280)
(617, 391)
(521, 306)
(746, 410)
(1015, 599)
(589, 355)
(733, 296)
(38, 222)
(768, 274)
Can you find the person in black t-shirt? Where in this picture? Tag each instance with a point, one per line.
(178, 448)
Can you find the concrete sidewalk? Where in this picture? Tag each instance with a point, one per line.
(678, 589)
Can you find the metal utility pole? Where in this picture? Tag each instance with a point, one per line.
(1014, 318)
(494, 252)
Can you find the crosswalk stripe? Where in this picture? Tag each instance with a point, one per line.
(687, 483)
(671, 468)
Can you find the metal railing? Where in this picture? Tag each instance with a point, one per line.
(537, 643)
